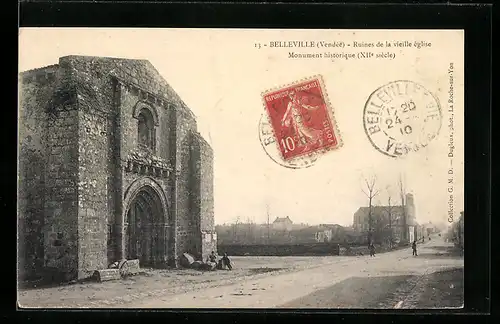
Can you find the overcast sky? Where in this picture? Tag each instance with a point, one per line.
(220, 74)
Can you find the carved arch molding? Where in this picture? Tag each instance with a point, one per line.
(139, 106)
(150, 183)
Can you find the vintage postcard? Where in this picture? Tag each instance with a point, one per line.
(240, 168)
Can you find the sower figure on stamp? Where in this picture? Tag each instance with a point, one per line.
(414, 248)
(293, 116)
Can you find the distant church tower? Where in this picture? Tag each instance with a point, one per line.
(410, 209)
(411, 220)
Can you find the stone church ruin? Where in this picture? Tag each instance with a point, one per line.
(111, 167)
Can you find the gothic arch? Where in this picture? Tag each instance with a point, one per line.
(139, 106)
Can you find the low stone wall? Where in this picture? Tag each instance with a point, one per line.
(309, 249)
(363, 249)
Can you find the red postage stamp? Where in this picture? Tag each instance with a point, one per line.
(302, 118)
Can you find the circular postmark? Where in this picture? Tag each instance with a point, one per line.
(268, 142)
(401, 117)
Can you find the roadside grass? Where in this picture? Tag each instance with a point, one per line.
(444, 289)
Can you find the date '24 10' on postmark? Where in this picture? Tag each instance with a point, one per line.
(300, 116)
(401, 117)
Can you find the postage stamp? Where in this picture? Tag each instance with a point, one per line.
(301, 118)
(268, 142)
(401, 117)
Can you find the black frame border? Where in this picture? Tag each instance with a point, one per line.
(476, 20)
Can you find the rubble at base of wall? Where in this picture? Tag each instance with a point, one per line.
(126, 267)
(106, 275)
(186, 260)
(117, 270)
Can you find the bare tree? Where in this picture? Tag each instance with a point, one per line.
(370, 192)
(389, 209)
(235, 229)
(249, 232)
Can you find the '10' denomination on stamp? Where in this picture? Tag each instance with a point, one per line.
(401, 117)
(301, 118)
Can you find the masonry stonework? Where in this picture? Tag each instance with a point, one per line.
(34, 97)
(204, 202)
(111, 166)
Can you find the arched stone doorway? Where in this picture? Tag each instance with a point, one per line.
(146, 228)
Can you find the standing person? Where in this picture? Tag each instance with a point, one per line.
(226, 262)
(414, 248)
(372, 250)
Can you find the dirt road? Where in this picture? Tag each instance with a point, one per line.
(156, 283)
(390, 280)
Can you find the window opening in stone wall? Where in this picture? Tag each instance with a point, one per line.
(146, 129)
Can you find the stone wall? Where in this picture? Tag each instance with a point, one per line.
(35, 95)
(128, 124)
(61, 208)
(186, 217)
(114, 184)
(203, 199)
(307, 249)
(93, 192)
(206, 185)
(95, 103)
(196, 235)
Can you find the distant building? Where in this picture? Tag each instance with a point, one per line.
(429, 229)
(299, 226)
(327, 232)
(400, 220)
(282, 224)
(318, 234)
(323, 236)
(305, 235)
(421, 233)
